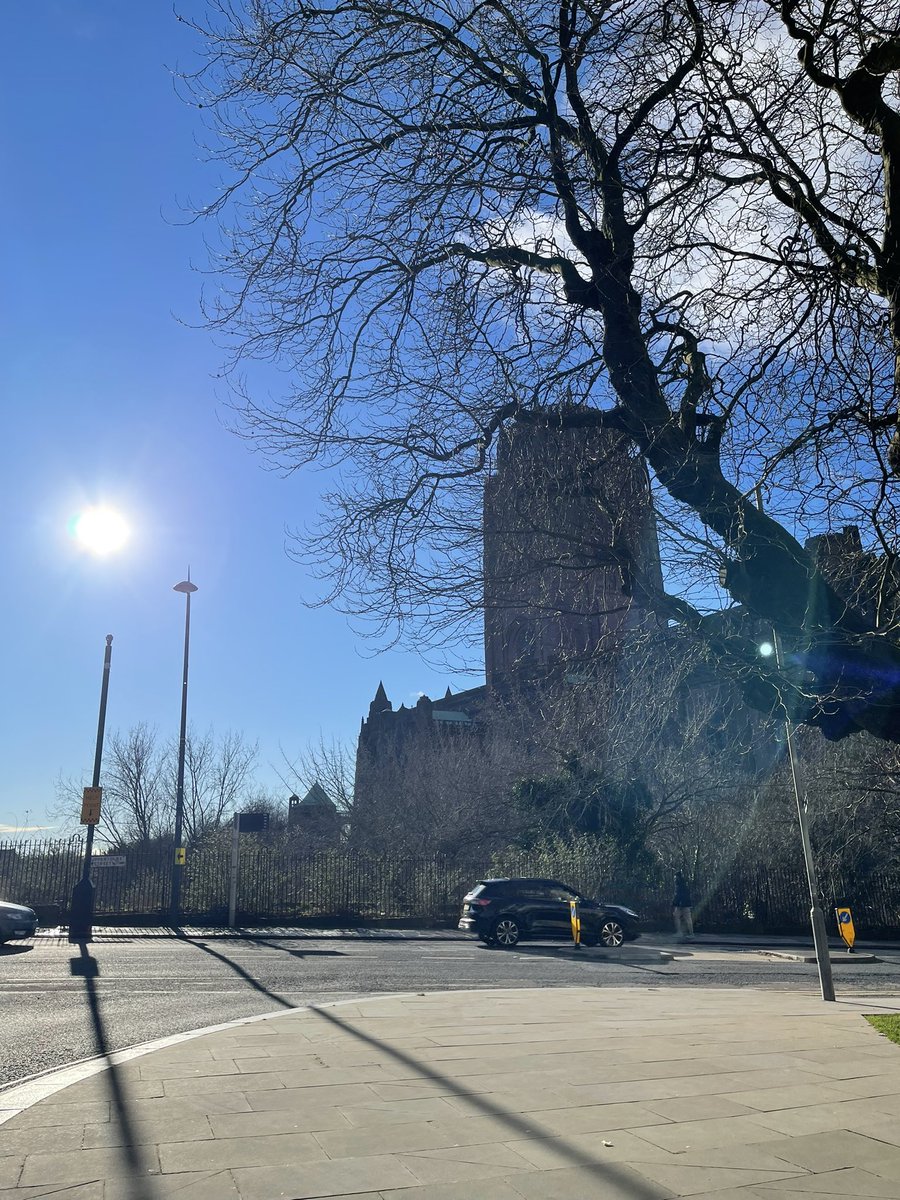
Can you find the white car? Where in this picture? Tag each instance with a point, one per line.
(16, 921)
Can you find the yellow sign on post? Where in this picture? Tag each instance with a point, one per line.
(845, 927)
(90, 805)
(576, 923)
(179, 856)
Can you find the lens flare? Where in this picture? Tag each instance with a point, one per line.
(100, 530)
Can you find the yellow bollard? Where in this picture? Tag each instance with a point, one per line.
(576, 923)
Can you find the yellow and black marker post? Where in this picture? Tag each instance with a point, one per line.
(845, 927)
(576, 923)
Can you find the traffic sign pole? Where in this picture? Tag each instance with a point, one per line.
(81, 911)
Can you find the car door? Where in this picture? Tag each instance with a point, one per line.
(549, 905)
(561, 898)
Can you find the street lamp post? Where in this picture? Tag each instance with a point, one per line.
(186, 587)
(81, 911)
(816, 916)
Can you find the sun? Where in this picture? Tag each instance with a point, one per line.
(100, 530)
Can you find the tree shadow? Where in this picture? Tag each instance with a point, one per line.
(132, 1151)
(520, 1127)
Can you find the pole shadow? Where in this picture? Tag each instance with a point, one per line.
(238, 970)
(261, 941)
(132, 1151)
(519, 1126)
(600, 959)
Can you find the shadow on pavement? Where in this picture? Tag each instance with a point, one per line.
(261, 941)
(238, 970)
(138, 1169)
(601, 956)
(6, 949)
(519, 1125)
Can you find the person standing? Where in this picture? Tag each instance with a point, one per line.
(681, 909)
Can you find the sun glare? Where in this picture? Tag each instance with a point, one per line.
(100, 530)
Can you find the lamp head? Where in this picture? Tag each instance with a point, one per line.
(185, 586)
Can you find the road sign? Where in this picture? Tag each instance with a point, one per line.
(252, 822)
(90, 805)
(845, 926)
(179, 856)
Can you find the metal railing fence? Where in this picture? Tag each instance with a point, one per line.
(279, 883)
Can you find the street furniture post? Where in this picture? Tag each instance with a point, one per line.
(187, 588)
(575, 918)
(81, 911)
(816, 916)
(235, 868)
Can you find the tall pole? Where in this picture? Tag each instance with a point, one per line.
(178, 862)
(816, 916)
(235, 870)
(81, 914)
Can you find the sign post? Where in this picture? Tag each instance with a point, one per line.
(235, 869)
(257, 822)
(81, 909)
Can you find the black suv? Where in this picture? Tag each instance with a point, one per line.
(501, 911)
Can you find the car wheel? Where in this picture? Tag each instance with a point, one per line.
(612, 933)
(506, 932)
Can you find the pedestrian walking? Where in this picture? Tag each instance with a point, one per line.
(681, 909)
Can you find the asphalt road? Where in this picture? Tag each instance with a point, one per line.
(59, 1005)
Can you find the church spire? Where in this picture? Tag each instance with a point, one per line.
(381, 702)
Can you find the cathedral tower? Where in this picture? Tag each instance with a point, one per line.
(568, 523)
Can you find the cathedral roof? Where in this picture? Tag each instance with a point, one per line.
(317, 797)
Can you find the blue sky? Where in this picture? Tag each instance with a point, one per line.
(111, 397)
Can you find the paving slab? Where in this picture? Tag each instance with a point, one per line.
(515, 1094)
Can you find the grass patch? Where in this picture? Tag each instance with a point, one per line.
(888, 1024)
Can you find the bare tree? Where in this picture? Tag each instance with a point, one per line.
(856, 814)
(138, 780)
(455, 217)
(328, 762)
(449, 793)
(136, 800)
(643, 749)
(217, 775)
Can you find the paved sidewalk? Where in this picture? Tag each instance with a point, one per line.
(553, 1094)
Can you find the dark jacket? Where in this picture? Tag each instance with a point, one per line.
(682, 897)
